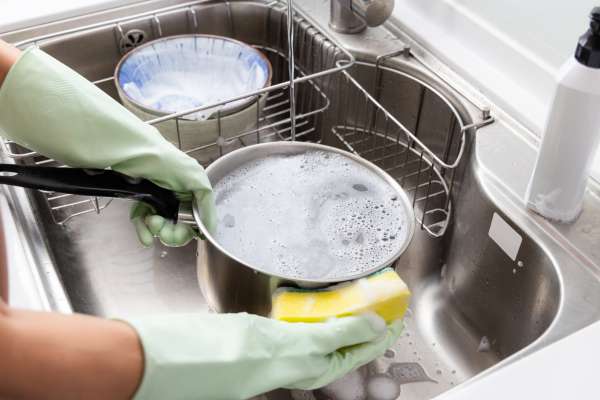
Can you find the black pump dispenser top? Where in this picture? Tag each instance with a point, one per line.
(588, 47)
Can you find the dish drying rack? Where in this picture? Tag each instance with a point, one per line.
(426, 169)
(294, 110)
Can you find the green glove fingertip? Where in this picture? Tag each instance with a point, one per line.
(140, 210)
(175, 235)
(182, 234)
(156, 224)
(347, 331)
(347, 359)
(396, 328)
(143, 233)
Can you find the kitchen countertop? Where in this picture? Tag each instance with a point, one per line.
(554, 372)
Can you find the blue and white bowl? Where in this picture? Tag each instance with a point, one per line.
(179, 73)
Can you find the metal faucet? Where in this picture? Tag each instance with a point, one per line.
(353, 16)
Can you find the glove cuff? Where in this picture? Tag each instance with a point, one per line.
(146, 389)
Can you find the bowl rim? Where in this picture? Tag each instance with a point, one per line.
(224, 110)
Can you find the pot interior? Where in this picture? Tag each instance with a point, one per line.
(366, 250)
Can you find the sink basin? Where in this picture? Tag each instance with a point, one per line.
(475, 307)
(472, 305)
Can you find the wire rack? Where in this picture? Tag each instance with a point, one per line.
(361, 119)
(275, 115)
(426, 167)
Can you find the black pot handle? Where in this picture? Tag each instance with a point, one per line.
(92, 182)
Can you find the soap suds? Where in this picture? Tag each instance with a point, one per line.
(312, 215)
(382, 387)
(349, 387)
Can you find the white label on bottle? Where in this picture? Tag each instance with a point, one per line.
(505, 236)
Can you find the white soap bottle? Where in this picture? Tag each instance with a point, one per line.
(571, 134)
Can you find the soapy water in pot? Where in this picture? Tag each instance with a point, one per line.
(313, 215)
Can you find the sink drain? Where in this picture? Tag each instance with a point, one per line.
(132, 39)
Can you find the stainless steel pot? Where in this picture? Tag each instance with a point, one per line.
(229, 284)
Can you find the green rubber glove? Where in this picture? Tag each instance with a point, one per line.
(238, 356)
(49, 108)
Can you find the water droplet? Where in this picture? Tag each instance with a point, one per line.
(484, 345)
(389, 353)
(382, 387)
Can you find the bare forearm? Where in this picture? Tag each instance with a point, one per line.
(54, 356)
(8, 56)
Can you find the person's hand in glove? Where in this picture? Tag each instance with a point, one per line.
(237, 356)
(49, 108)
(186, 356)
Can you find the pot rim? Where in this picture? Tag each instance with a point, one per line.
(408, 208)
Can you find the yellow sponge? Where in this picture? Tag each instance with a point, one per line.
(384, 293)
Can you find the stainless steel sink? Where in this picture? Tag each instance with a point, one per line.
(474, 308)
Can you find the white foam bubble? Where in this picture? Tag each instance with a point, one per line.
(312, 215)
(349, 387)
(382, 387)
